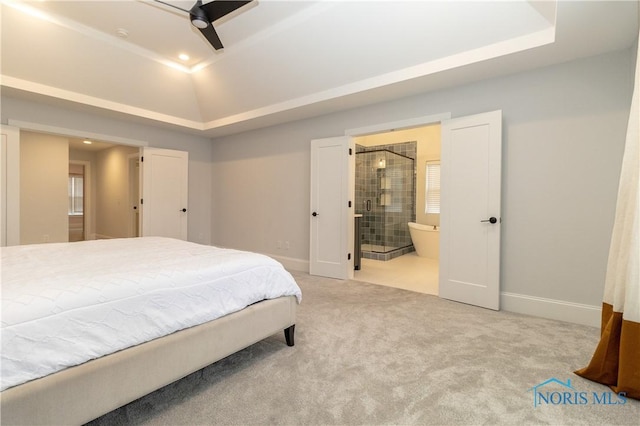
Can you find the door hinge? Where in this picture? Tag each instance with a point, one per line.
(349, 256)
(349, 203)
(142, 159)
(141, 201)
(350, 151)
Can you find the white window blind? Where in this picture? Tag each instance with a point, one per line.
(432, 195)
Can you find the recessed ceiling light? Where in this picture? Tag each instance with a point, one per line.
(183, 57)
(88, 142)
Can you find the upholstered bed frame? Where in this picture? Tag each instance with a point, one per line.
(82, 393)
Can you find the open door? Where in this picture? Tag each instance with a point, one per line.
(471, 161)
(134, 195)
(9, 186)
(331, 214)
(163, 201)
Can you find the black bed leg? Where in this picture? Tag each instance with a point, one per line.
(288, 334)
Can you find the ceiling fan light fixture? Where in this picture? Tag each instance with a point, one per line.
(199, 22)
(203, 16)
(198, 16)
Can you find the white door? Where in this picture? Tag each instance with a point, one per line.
(134, 195)
(3, 190)
(163, 201)
(331, 214)
(10, 186)
(470, 209)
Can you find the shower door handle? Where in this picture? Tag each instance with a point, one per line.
(368, 205)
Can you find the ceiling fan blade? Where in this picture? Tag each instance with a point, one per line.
(212, 36)
(171, 5)
(219, 8)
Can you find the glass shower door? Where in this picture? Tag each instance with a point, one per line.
(367, 201)
(385, 197)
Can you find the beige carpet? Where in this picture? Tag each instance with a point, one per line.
(367, 354)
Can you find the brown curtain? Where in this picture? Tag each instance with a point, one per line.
(616, 361)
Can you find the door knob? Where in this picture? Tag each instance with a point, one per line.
(314, 214)
(490, 220)
(183, 210)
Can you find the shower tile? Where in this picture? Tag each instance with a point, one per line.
(384, 225)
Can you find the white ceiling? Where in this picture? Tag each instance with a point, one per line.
(285, 60)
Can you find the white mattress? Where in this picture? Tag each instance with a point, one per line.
(65, 304)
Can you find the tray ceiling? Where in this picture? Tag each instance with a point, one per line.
(286, 60)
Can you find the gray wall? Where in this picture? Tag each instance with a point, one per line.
(564, 129)
(199, 149)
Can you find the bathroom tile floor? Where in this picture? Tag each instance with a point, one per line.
(408, 272)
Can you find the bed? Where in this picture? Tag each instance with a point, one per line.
(90, 326)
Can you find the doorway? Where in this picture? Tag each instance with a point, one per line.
(108, 177)
(398, 265)
(77, 197)
(112, 177)
(471, 164)
(79, 187)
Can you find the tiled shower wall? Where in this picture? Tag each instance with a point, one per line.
(391, 208)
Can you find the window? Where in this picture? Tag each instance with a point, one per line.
(432, 193)
(76, 195)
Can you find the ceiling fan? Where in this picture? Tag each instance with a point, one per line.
(203, 15)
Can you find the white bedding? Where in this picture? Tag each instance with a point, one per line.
(64, 304)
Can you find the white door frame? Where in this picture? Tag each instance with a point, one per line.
(74, 133)
(381, 128)
(13, 217)
(409, 123)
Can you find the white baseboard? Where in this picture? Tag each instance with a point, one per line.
(291, 263)
(102, 237)
(550, 308)
(576, 313)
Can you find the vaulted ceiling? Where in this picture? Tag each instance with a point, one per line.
(285, 60)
